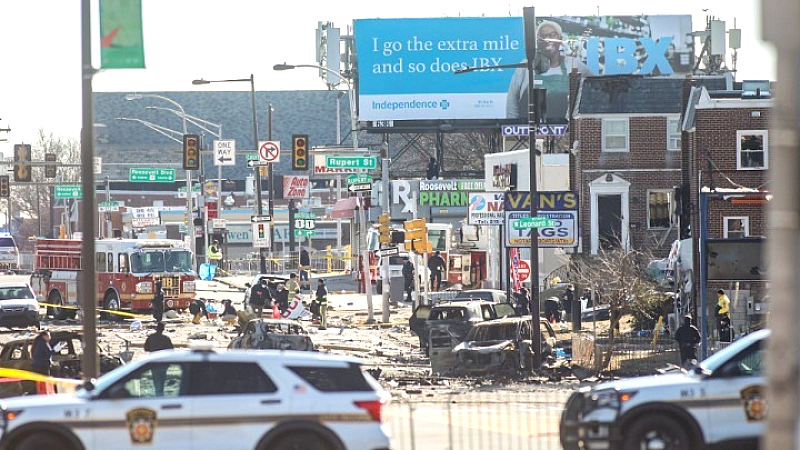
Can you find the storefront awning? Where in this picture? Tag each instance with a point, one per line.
(344, 208)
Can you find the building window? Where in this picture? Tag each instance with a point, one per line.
(659, 209)
(736, 227)
(615, 135)
(752, 149)
(673, 133)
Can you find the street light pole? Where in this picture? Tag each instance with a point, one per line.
(189, 196)
(362, 219)
(259, 206)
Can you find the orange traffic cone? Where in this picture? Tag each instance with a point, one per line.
(276, 313)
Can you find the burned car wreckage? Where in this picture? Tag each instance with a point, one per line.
(273, 334)
(502, 345)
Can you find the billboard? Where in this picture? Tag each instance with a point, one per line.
(486, 208)
(406, 66)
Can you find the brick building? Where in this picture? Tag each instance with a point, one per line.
(727, 134)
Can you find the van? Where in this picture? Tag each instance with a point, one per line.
(9, 253)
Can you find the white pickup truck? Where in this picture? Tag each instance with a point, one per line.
(718, 404)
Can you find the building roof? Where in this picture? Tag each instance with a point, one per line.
(629, 94)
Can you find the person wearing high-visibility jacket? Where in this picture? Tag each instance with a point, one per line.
(322, 300)
(292, 285)
(214, 253)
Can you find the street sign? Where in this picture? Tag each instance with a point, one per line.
(151, 175)
(219, 224)
(269, 151)
(261, 235)
(252, 164)
(182, 191)
(97, 165)
(524, 270)
(260, 219)
(68, 191)
(384, 252)
(305, 224)
(359, 187)
(359, 178)
(352, 162)
(251, 156)
(534, 222)
(144, 217)
(108, 206)
(225, 152)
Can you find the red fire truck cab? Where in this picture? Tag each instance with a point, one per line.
(127, 270)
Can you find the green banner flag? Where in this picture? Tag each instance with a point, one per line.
(122, 41)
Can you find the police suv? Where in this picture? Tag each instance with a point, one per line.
(718, 404)
(206, 400)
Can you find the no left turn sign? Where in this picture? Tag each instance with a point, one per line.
(269, 151)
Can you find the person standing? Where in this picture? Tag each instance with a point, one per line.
(305, 266)
(551, 310)
(214, 253)
(408, 279)
(322, 300)
(523, 302)
(436, 266)
(259, 294)
(568, 300)
(723, 316)
(282, 298)
(158, 301)
(687, 336)
(292, 286)
(158, 340)
(154, 343)
(42, 353)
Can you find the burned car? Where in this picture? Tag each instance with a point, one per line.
(16, 354)
(273, 334)
(502, 345)
(455, 318)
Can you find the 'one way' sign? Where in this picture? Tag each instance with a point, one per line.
(225, 152)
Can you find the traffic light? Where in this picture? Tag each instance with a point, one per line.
(416, 235)
(385, 231)
(22, 162)
(299, 152)
(50, 170)
(191, 152)
(5, 186)
(262, 233)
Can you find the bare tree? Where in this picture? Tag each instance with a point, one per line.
(32, 202)
(622, 283)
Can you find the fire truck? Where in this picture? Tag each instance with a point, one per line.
(127, 270)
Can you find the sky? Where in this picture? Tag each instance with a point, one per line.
(40, 46)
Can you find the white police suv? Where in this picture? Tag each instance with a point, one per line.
(719, 404)
(206, 400)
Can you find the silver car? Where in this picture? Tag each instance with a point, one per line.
(18, 305)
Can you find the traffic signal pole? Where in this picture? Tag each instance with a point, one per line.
(385, 201)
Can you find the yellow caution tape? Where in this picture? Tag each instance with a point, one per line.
(109, 311)
(33, 376)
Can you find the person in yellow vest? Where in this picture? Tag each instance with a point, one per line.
(292, 285)
(723, 316)
(214, 253)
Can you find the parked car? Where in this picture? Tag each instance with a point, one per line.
(720, 403)
(273, 334)
(489, 295)
(208, 400)
(455, 317)
(502, 345)
(18, 305)
(16, 354)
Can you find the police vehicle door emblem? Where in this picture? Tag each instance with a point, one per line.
(755, 403)
(141, 425)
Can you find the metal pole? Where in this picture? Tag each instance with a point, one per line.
(365, 259)
(529, 18)
(783, 360)
(385, 202)
(259, 206)
(90, 362)
(271, 187)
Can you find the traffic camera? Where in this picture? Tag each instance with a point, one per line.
(191, 152)
(299, 152)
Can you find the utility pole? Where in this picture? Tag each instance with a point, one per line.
(783, 361)
(529, 20)
(386, 206)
